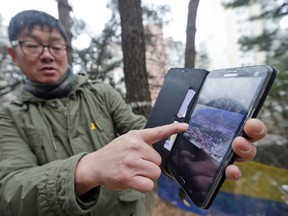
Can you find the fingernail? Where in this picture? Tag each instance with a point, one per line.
(259, 130)
(245, 148)
(184, 125)
(237, 176)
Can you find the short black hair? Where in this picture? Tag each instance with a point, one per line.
(31, 18)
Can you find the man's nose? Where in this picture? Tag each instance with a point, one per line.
(46, 54)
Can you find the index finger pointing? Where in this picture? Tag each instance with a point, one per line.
(153, 135)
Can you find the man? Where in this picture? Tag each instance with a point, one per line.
(60, 153)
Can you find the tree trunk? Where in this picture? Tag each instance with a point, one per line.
(64, 17)
(133, 48)
(190, 51)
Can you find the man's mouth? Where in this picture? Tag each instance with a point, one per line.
(48, 69)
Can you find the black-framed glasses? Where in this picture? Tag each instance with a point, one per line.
(35, 49)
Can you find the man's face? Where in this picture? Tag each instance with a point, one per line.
(44, 68)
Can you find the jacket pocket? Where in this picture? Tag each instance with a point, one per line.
(131, 203)
(35, 139)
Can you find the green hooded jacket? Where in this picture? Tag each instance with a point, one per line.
(41, 142)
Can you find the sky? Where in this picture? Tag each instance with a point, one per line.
(96, 16)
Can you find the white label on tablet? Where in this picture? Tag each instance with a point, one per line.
(170, 141)
(183, 109)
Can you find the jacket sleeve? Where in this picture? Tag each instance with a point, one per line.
(29, 189)
(122, 114)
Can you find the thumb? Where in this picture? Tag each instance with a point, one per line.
(153, 135)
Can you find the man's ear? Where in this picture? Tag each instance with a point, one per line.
(13, 55)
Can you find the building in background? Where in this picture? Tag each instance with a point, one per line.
(227, 26)
(175, 51)
(156, 61)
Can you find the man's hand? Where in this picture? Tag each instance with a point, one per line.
(128, 162)
(244, 148)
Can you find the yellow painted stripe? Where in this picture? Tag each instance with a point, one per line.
(260, 181)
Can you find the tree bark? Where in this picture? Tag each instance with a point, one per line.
(190, 51)
(133, 48)
(64, 17)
